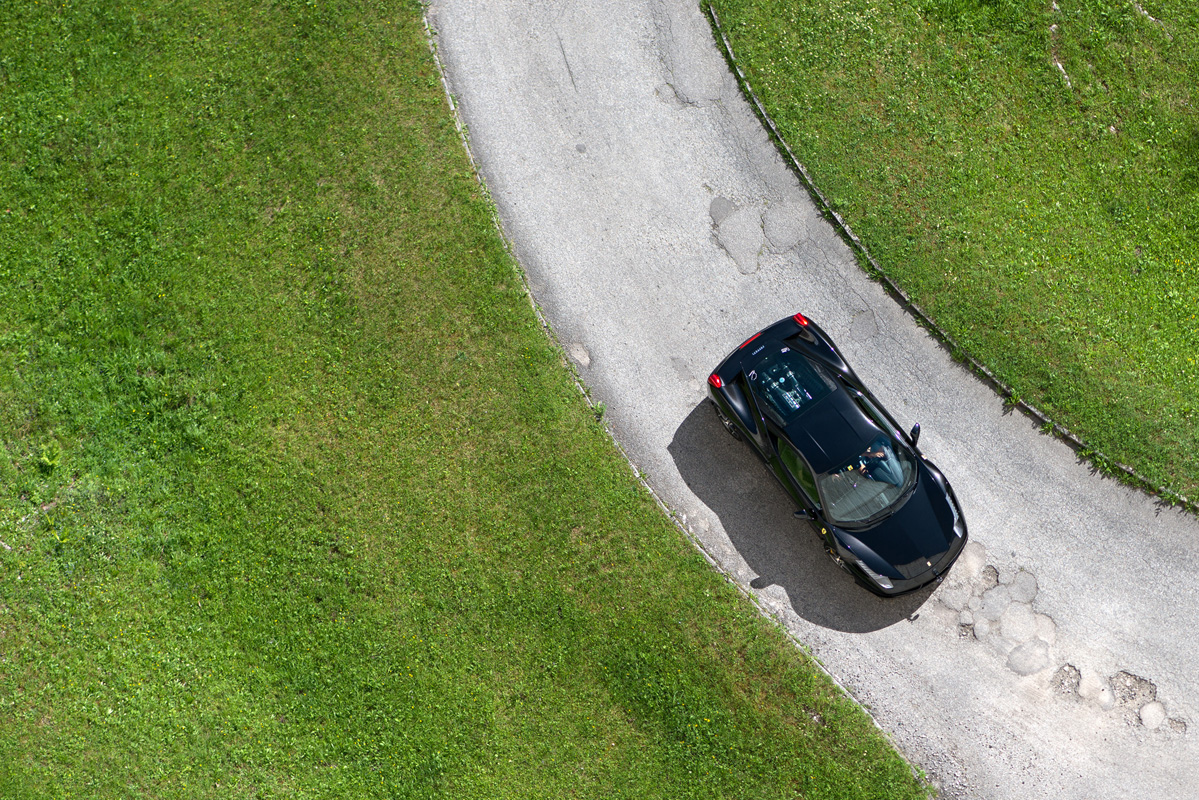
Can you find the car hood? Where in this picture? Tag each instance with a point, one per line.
(917, 535)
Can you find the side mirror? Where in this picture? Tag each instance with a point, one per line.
(915, 434)
(803, 515)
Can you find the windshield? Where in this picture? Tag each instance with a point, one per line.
(788, 383)
(869, 484)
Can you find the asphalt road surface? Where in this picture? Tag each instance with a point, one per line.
(658, 228)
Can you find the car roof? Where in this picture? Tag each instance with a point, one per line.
(832, 431)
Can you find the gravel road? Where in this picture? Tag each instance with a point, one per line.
(658, 228)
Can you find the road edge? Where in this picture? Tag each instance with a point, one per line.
(667, 511)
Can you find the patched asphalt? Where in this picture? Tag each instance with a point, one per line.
(658, 228)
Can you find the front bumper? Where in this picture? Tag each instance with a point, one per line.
(934, 575)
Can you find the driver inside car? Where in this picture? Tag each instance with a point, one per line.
(880, 464)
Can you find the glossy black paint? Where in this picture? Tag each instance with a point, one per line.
(919, 537)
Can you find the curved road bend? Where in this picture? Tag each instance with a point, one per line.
(658, 227)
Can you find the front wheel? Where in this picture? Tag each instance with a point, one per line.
(727, 423)
(836, 559)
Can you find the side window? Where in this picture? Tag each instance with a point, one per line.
(799, 470)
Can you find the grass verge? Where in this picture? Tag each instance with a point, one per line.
(298, 499)
(1027, 172)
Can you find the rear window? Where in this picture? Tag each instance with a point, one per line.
(787, 384)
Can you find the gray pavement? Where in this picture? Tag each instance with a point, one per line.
(658, 228)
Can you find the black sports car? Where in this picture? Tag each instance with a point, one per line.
(886, 514)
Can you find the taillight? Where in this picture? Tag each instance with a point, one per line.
(715, 380)
(750, 339)
(801, 319)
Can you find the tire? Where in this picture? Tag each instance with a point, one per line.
(836, 559)
(728, 424)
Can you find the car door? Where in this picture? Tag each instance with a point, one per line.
(803, 485)
(797, 473)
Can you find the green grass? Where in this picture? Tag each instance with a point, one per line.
(1049, 228)
(299, 500)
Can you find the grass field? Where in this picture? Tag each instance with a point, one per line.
(1029, 173)
(299, 500)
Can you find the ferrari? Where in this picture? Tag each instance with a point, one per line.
(884, 512)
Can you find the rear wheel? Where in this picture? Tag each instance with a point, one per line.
(727, 423)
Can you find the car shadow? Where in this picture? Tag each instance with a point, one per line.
(758, 517)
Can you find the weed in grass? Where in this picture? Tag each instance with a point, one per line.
(48, 460)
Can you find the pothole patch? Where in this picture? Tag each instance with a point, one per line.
(1066, 680)
(1132, 689)
(1029, 658)
(739, 233)
(1152, 715)
(579, 353)
(786, 225)
(999, 608)
(1094, 689)
(720, 208)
